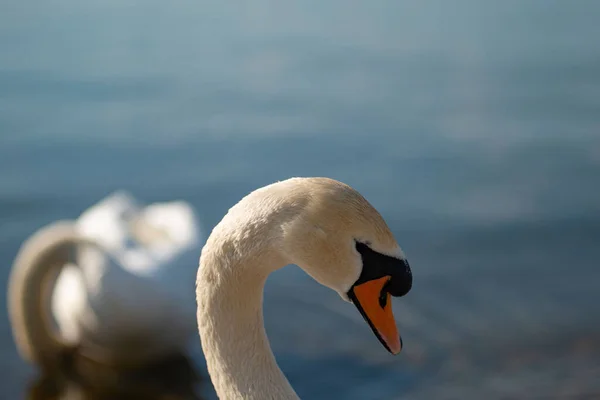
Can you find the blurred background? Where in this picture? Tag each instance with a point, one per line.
(473, 127)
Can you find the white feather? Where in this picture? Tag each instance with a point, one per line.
(137, 301)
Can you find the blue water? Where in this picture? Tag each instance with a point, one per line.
(473, 126)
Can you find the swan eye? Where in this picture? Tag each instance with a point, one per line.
(377, 265)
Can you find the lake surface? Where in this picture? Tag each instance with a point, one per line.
(473, 126)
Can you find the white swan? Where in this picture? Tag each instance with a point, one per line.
(319, 224)
(124, 299)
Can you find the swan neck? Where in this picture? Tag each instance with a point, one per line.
(32, 279)
(230, 319)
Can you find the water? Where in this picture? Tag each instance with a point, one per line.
(472, 126)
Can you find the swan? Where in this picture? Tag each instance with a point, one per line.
(117, 282)
(322, 225)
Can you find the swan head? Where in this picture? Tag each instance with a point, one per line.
(342, 241)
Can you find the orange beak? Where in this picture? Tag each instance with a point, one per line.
(376, 308)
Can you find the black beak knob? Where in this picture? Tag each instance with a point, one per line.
(401, 281)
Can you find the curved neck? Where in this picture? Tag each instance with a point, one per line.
(34, 272)
(229, 289)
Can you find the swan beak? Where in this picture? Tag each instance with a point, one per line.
(375, 305)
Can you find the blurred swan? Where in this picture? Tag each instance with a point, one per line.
(118, 281)
(331, 232)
